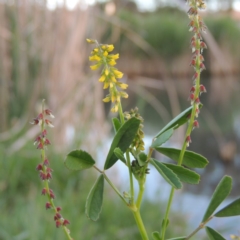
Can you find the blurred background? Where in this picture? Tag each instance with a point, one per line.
(44, 54)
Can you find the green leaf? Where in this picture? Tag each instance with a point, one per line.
(94, 201)
(213, 235)
(122, 140)
(190, 159)
(116, 124)
(142, 158)
(221, 192)
(119, 154)
(79, 160)
(184, 174)
(177, 238)
(177, 121)
(233, 209)
(167, 174)
(162, 138)
(156, 236)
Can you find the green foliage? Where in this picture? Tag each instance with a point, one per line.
(213, 234)
(190, 159)
(184, 174)
(167, 174)
(79, 160)
(177, 121)
(221, 192)
(162, 138)
(122, 140)
(233, 209)
(95, 199)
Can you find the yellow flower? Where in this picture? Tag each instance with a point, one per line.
(123, 85)
(112, 62)
(115, 108)
(94, 58)
(106, 99)
(102, 78)
(106, 85)
(94, 67)
(95, 50)
(110, 48)
(106, 72)
(91, 40)
(118, 74)
(123, 94)
(113, 79)
(114, 56)
(105, 53)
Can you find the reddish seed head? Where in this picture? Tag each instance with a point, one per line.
(57, 216)
(202, 89)
(39, 167)
(203, 44)
(197, 100)
(65, 222)
(40, 146)
(35, 121)
(44, 191)
(197, 112)
(193, 63)
(195, 76)
(49, 123)
(49, 170)
(58, 223)
(59, 209)
(40, 116)
(48, 176)
(49, 112)
(47, 142)
(44, 133)
(48, 205)
(192, 90)
(46, 162)
(43, 176)
(37, 140)
(191, 97)
(196, 124)
(202, 66)
(188, 140)
(51, 195)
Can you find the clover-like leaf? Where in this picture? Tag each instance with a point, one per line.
(79, 160)
(116, 124)
(213, 234)
(162, 138)
(233, 209)
(221, 192)
(177, 121)
(123, 139)
(119, 154)
(184, 174)
(156, 236)
(190, 159)
(167, 174)
(94, 201)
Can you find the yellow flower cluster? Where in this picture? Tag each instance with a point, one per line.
(109, 75)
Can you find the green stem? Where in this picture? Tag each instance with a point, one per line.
(130, 177)
(140, 225)
(201, 226)
(112, 185)
(167, 213)
(140, 195)
(120, 111)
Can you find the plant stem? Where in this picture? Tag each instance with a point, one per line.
(112, 185)
(167, 213)
(140, 225)
(140, 195)
(130, 177)
(120, 112)
(202, 225)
